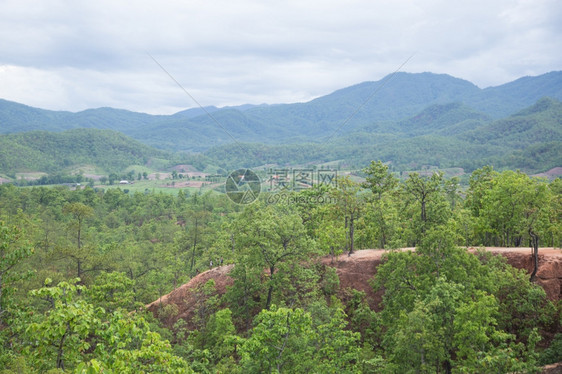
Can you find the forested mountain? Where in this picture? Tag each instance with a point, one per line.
(52, 151)
(442, 135)
(363, 107)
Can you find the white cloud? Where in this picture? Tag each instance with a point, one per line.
(82, 54)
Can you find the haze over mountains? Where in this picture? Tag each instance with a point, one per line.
(423, 118)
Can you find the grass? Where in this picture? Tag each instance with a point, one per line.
(162, 185)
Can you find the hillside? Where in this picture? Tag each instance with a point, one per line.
(442, 135)
(52, 152)
(408, 120)
(393, 99)
(445, 135)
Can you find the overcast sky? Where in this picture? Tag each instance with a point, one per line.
(74, 55)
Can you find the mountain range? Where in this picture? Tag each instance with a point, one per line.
(405, 118)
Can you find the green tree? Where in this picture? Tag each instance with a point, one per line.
(75, 334)
(382, 212)
(286, 340)
(268, 237)
(518, 207)
(348, 205)
(379, 180)
(424, 205)
(112, 291)
(80, 213)
(13, 250)
(86, 258)
(454, 311)
(61, 337)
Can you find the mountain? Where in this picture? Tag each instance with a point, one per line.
(529, 140)
(442, 135)
(443, 119)
(366, 107)
(409, 120)
(511, 97)
(54, 151)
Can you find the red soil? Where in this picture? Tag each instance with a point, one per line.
(355, 272)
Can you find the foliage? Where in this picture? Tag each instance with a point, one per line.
(451, 311)
(420, 121)
(286, 340)
(52, 152)
(73, 330)
(12, 251)
(444, 308)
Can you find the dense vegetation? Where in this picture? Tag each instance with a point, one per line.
(76, 267)
(529, 140)
(53, 152)
(442, 136)
(405, 119)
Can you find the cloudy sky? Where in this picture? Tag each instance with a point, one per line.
(74, 55)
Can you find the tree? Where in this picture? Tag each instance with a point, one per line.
(451, 308)
(12, 251)
(287, 340)
(379, 180)
(348, 205)
(75, 334)
(220, 336)
(112, 178)
(81, 255)
(383, 186)
(61, 335)
(555, 227)
(112, 291)
(79, 212)
(425, 191)
(198, 220)
(516, 207)
(331, 235)
(268, 236)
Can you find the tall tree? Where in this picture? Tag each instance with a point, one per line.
(383, 185)
(268, 236)
(86, 258)
(13, 249)
(287, 340)
(517, 207)
(379, 180)
(349, 206)
(80, 212)
(424, 191)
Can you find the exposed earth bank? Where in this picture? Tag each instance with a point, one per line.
(355, 271)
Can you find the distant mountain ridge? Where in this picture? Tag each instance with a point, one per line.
(442, 135)
(403, 98)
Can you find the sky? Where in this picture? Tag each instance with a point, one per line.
(135, 55)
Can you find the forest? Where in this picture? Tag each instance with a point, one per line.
(78, 267)
(416, 120)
